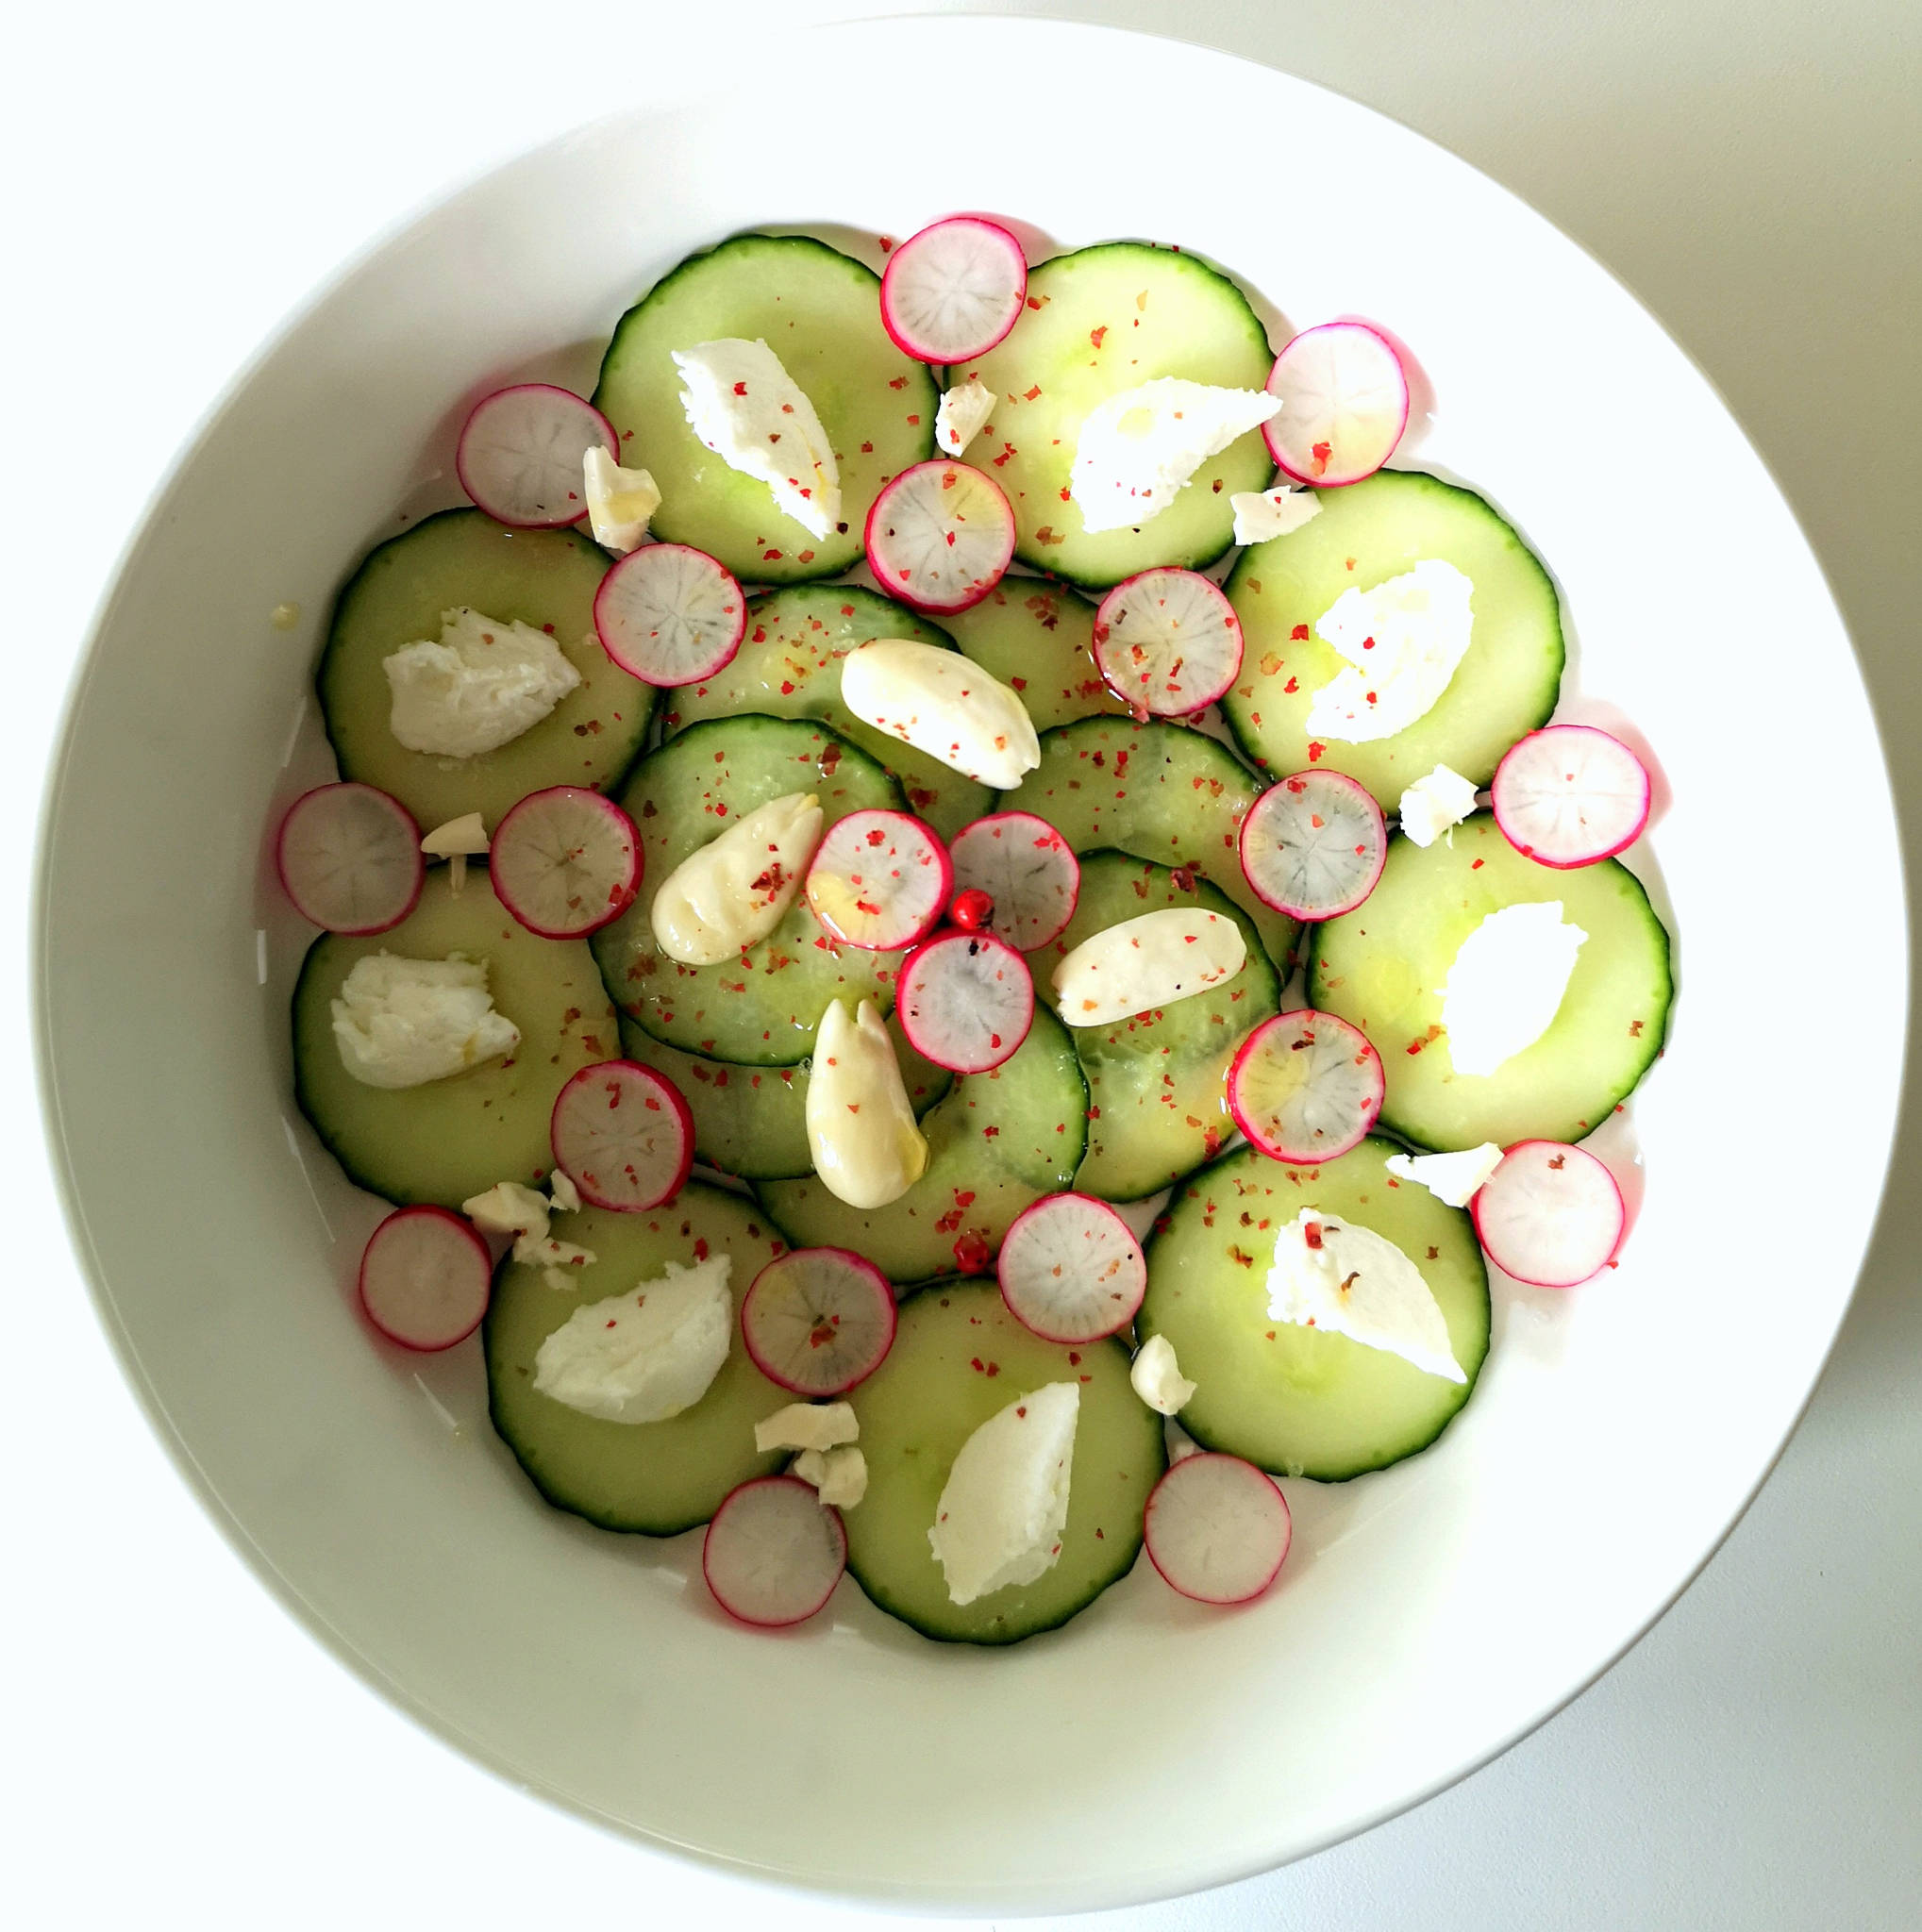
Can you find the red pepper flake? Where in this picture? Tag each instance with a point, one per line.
(1030, 395)
(913, 419)
(1293, 685)
(1314, 751)
(1477, 865)
(770, 555)
(898, 382)
(1310, 1234)
(1321, 452)
(867, 449)
(887, 242)
(1034, 303)
(1634, 1033)
(1094, 334)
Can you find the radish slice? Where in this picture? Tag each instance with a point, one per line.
(1167, 643)
(966, 1001)
(879, 880)
(622, 1135)
(1570, 795)
(772, 1554)
(670, 614)
(349, 858)
(1217, 1528)
(1305, 1086)
(424, 1278)
(565, 861)
(521, 453)
(1550, 1214)
(1315, 844)
(1071, 1270)
(940, 536)
(818, 1321)
(952, 292)
(1026, 868)
(1344, 405)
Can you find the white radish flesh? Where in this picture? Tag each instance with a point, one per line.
(1344, 405)
(940, 536)
(1026, 867)
(522, 452)
(1305, 1086)
(1570, 795)
(1071, 1270)
(622, 1135)
(1167, 643)
(349, 858)
(670, 614)
(1217, 1528)
(1314, 845)
(424, 1278)
(1550, 1215)
(879, 880)
(818, 1321)
(565, 861)
(772, 1554)
(952, 292)
(966, 1001)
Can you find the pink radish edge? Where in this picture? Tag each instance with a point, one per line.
(1256, 1043)
(461, 1236)
(624, 891)
(804, 1604)
(1045, 1203)
(461, 466)
(1326, 482)
(917, 1034)
(1607, 1260)
(884, 1298)
(309, 800)
(1173, 1481)
(939, 354)
(627, 1071)
(1311, 915)
(1586, 857)
(889, 576)
(1104, 630)
(613, 585)
(926, 838)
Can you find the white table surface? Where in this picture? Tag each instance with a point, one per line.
(179, 1751)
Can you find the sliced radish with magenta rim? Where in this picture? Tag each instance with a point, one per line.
(940, 536)
(424, 1278)
(1313, 845)
(1344, 404)
(670, 614)
(521, 454)
(349, 858)
(1026, 868)
(774, 1552)
(818, 1321)
(622, 1135)
(952, 292)
(966, 1001)
(1071, 1269)
(1306, 1086)
(1570, 795)
(1217, 1528)
(879, 880)
(1550, 1215)
(565, 861)
(1167, 643)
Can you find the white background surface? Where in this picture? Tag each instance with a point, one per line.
(178, 178)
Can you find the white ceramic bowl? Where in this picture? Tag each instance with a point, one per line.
(1429, 1616)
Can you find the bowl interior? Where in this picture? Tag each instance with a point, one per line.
(1429, 1615)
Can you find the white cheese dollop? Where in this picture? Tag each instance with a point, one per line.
(1450, 1177)
(962, 413)
(1152, 960)
(1506, 984)
(645, 1354)
(840, 1475)
(1259, 514)
(620, 503)
(943, 704)
(807, 1426)
(1000, 1517)
(1433, 804)
(542, 1251)
(1402, 641)
(1137, 448)
(508, 1207)
(1349, 1280)
(732, 892)
(402, 1022)
(478, 688)
(863, 1137)
(746, 408)
(1157, 1378)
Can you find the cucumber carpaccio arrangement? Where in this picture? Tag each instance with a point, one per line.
(990, 763)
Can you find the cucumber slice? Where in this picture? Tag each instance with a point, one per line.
(819, 311)
(960, 1357)
(546, 579)
(1295, 1400)
(659, 1477)
(454, 1138)
(1039, 639)
(1383, 965)
(1157, 1084)
(760, 1010)
(1505, 686)
(751, 1121)
(1159, 792)
(788, 666)
(1099, 321)
(997, 1144)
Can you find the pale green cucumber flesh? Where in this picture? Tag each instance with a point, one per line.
(1039, 639)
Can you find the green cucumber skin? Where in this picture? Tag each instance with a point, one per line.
(1038, 638)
